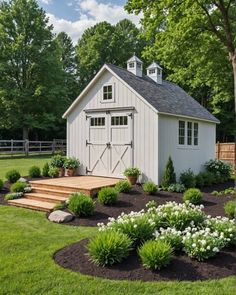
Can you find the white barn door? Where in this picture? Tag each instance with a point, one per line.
(109, 143)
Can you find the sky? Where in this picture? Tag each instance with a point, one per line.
(74, 16)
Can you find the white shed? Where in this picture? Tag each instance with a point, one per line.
(124, 118)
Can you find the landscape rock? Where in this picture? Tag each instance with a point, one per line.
(59, 216)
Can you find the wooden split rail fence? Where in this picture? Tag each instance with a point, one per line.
(28, 147)
(226, 152)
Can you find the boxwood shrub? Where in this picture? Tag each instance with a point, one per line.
(230, 209)
(107, 196)
(34, 172)
(81, 205)
(109, 247)
(12, 176)
(123, 186)
(193, 195)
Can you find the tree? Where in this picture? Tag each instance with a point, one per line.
(195, 40)
(31, 76)
(169, 176)
(104, 43)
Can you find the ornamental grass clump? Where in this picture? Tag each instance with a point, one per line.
(202, 244)
(155, 254)
(150, 187)
(81, 205)
(107, 196)
(123, 186)
(138, 226)
(230, 209)
(193, 195)
(171, 236)
(225, 227)
(109, 247)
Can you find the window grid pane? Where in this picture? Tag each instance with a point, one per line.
(195, 134)
(97, 121)
(181, 132)
(189, 133)
(119, 121)
(107, 92)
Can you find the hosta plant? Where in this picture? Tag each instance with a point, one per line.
(13, 196)
(176, 187)
(109, 247)
(171, 236)
(155, 254)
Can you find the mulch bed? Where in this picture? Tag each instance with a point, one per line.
(137, 199)
(182, 267)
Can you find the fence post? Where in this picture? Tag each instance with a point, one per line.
(53, 146)
(218, 150)
(40, 147)
(12, 144)
(26, 147)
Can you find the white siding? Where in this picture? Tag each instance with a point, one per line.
(184, 157)
(145, 126)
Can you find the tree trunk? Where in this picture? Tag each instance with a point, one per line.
(25, 133)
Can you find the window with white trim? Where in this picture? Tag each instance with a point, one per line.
(97, 121)
(119, 121)
(188, 133)
(152, 71)
(195, 134)
(107, 92)
(181, 132)
(131, 65)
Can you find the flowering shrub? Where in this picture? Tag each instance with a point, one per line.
(27, 189)
(155, 254)
(224, 226)
(176, 187)
(137, 225)
(220, 168)
(109, 247)
(171, 236)
(151, 204)
(202, 244)
(181, 216)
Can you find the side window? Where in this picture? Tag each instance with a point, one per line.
(97, 121)
(181, 132)
(107, 92)
(195, 134)
(189, 139)
(119, 121)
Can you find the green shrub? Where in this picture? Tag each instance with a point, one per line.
(150, 187)
(216, 193)
(13, 196)
(107, 196)
(209, 178)
(230, 209)
(155, 254)
(60, 206)
(45, 170)
(109, 247)
(176, 187)
(169, 176)
(81, 205)
(123, 186)
(34, 172)
(151, 204)
(229, 191)
(71, 163)
(132, 171)
(171, 236)
(218, 167)
(12, 176)
(57, 161)
(18, 187)
(187, 178)
(193, 195)
(200, 182)
(1, 184)
(53, 172)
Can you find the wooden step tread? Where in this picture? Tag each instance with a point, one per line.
(45, 197)
(51, 190)
(32, 204)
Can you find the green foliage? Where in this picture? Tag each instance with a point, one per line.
(53, 172)
(229, 191)
(60, 206)
(107, 196)
(109, 247)
(151, 204)
(170, 236)
(219, 168)
(123, 186)
(176, 187)
(57, 161)
(230, 209)
(169, 176)
(155, 254)
(12, 176)
(200, 181)
(1, 184)
(18, 187)
(13, 196)
(81, 205)
(71, 163)
(187, 178)
(34, 172)
(132, 171)
(216, 193)
(150, 187)
(45, 170)
(193, 195)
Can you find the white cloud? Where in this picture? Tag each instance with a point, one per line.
(90, 13)
(46, 1)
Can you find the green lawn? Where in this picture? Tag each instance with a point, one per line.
(22, 164)
(27, 243)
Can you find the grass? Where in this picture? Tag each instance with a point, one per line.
(28, 241)
(22, 164)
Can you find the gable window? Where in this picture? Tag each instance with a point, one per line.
(182, 132)
(152, 71)
(195, 135)
(119, 121)
(131, 65)
(107, 92)
(97, 121)
(189, 139)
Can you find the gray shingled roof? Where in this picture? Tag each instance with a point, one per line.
(166, 97)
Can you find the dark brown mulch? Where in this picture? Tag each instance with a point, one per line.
(182, 267)
(137, 199)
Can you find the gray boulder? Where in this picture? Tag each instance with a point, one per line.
(59, 216)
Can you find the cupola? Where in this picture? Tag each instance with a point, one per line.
(154, 71)
(135, 66)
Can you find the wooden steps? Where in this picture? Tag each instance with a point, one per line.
(46, 193)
